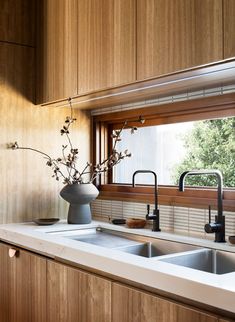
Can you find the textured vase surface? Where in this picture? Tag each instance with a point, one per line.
(79, 197)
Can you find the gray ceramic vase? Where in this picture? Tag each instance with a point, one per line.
(79, 196)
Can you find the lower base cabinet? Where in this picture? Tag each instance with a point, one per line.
(76, 296)
(22, 286)
(36, 289)
(130, 305)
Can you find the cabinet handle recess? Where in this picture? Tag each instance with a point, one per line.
(12, 252)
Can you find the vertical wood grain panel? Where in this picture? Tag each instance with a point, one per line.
(208, 32)
(174, 35)
(129, 305)
(5, 287)
(56, 50)
(124, 42)
(17, 21)
(106, 38)
(75, 296)
(229, 28)
(23, 287)
(27, 190)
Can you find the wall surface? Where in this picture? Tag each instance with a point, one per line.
(27, 190)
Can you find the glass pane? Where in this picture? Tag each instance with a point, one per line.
(173, 148)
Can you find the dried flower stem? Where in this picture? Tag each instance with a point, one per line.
(69, 161)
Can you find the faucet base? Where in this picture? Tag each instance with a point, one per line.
(156, 225)
(156, 229)
(220, 235)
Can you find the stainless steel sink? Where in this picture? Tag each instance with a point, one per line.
(207, 260)
(194, 257)
(126, 242)
(157, 247)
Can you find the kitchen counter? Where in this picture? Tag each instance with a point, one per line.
(199, 286)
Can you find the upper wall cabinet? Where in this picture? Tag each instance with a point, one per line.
(229, 28)
(107, 44)
(17, 21)
(56, 50)
(174, 35)
(86, 46)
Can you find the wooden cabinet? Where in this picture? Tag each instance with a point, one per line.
(130, 305)
(35, 289)
(107, 44)
(84, 46)
(56, 50)
(17, 21)
(23, 286)
(229, 28)
(174, 35)
(76, 296)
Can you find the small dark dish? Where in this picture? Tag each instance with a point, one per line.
(46, 221)
(231, 239)
(119, 221)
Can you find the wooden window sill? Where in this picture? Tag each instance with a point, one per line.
(168, 195)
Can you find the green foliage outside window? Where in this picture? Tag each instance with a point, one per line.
(209, 145)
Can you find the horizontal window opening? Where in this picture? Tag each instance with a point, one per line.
(170, 149)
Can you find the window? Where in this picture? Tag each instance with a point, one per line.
(171, 149)
(162, 146)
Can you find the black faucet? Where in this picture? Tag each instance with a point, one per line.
(218, 227)
(155, 216)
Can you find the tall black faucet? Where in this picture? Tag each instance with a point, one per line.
(156, 215)
(218, 227)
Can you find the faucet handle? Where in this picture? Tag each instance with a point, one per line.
(212, 227)
(148, 209)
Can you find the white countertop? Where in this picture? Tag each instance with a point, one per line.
(211, 289)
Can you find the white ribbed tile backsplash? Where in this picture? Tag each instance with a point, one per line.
(167, 99)
(177, 219)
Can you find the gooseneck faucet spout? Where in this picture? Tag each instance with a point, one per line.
(156, 215)
(219, 226)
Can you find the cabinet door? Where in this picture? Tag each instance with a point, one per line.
(176, 34)
(75, 296)
(130, 305)
(229, 28)
(23, 286)
(17, 20)
(106, 44)
(56, 50)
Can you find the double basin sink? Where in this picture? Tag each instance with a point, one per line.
(187, 255)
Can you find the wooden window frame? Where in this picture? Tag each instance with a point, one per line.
(190, 110)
